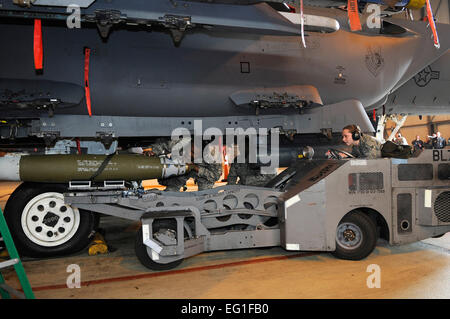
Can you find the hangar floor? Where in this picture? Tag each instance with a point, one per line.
(418, 270)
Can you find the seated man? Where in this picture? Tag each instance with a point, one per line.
(363, 146)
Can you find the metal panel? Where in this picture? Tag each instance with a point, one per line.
(444, 172)
(433, 209)
(403, 210)
(424, 212)
(371, 181)
(328, 116)
(304, 226)
(244, 239)
(442, 207)
(415, 172)
(404, 213)
(427, 157)
(359, 185)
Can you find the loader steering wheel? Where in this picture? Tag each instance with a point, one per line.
(334, 154)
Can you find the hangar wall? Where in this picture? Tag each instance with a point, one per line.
(424, 126)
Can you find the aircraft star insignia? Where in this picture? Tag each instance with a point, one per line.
(424, 77)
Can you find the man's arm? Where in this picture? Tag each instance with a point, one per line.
(160, 147)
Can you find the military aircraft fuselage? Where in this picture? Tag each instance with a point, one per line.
(138, 73)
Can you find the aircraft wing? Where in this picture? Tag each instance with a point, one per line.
(426, 50)
(427, 93)
(259, 17)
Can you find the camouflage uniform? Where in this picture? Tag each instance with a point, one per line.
(163, 146)
(205, 178)
(248, 175)
(369, 147)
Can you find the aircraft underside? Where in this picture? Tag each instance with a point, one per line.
(141, 83)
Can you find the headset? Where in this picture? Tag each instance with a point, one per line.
(356, 133)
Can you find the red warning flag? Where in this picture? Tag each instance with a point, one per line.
(87, 53)
(353, 15)
(225, 164)
(432, 25)
(78, 146)
(37, 45)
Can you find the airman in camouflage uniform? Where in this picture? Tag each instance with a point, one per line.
(364, 147)
(368, 147)
(204, 173)
(162, 147)
(248, 175)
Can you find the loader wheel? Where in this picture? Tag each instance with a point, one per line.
(141, 248)
(42, 225)
(356, 236)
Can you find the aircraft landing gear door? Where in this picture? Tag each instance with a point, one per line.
(403, 214)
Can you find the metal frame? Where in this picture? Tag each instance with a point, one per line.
(314, 200)
(211, 211)
(311, 120)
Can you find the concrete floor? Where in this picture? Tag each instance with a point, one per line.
(418, 270)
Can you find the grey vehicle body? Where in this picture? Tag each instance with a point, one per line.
(403, 193)
(406, 199)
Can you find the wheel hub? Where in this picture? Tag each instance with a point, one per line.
(48, 221)
(349, 236)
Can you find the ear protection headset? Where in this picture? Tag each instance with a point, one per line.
(356, 133)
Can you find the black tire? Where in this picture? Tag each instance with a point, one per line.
(75, 237)
(356, 236)
(141, 249)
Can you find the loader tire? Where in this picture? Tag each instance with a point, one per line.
(42, 225)
(142, 252)
(356, 236)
